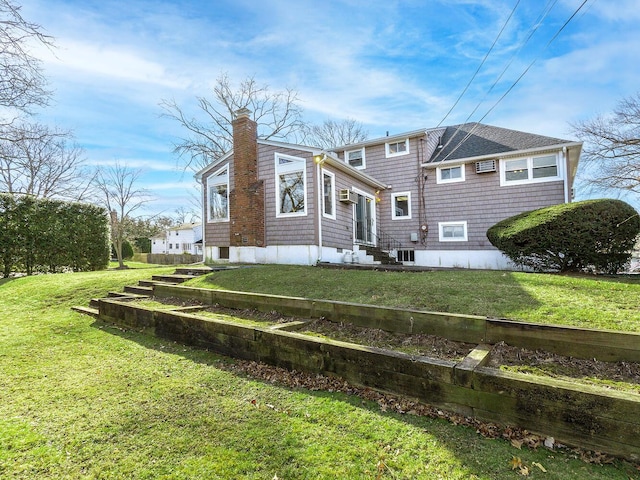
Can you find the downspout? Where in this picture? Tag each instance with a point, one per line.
(567, 174)
(204, 220)
(319, 209)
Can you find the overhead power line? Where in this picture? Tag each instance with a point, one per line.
(513, 85)
(481, 63)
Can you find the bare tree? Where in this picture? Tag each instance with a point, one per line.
(332, 134)
(22, 84)
(44, 162)
(121, 196)
(612, 145)
(277, 114)
(186, 215)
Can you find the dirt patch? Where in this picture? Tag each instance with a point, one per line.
(539, 362)
(272, 317)
(614, 375)
(413, 344)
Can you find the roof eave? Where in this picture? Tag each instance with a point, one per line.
(386, 139)
(513, 153)
(354, 172)
(200, 173)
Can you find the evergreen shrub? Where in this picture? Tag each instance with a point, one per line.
(596, 235)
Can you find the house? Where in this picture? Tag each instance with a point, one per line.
(425, 197)
(185, 238)
(159, 244)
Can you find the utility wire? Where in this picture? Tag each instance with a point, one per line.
(526, 70)
(481, 64)
(532, 31)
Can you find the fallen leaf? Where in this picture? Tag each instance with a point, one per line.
(517, 443)
(536, 464)
(524, 471)
(516, 462)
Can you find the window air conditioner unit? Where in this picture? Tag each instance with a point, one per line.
(486, 166)
(348, 196)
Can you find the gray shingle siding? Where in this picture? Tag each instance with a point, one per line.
(216, 233)
(295, 230)
(481, 202)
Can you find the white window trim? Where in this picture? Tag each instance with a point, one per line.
(324, 172)
(440, 180)
(503, 171)
(441, 226)
(298, 164)
(393, 206)
(364, 161)
(388, 154)
(211, 183)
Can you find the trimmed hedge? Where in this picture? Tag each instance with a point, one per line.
(50, 236)
(594, 235)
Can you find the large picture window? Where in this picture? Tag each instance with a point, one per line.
(218, 195)
(517, 171)
(291, 185)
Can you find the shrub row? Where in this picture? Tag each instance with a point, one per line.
(49, 236)
(596, 235)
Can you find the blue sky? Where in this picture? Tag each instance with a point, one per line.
(392, 65)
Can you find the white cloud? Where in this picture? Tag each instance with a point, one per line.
(111, 63)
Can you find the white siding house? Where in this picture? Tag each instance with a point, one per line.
(185, 238)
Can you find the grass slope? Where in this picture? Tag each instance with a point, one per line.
(80, 399)
(588, 302)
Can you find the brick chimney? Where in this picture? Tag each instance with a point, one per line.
(246, 200)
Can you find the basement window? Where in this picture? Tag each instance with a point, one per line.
(406, 255)
(452, 231)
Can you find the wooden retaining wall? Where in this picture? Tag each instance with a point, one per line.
(569, 341)
(589, 417)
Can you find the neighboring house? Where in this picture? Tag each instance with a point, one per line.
(425, 197)
(159, 244)
(186, 238)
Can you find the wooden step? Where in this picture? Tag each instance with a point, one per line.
(194, 271)
(93, 312)
(139, 290)
(174, 278)
(151, 283)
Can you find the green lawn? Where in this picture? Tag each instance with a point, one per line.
(585, 301)
(80, 399)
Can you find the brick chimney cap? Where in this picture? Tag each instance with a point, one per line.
(243, 112)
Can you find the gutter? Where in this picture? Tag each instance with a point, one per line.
(513, 153)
